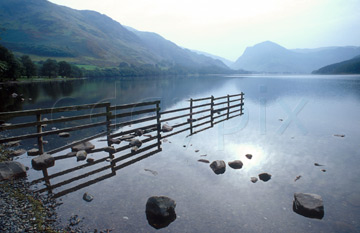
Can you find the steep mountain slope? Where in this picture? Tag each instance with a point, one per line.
(269, 57)
(351, 66)
(224, 60)
(46, 30)
(170, 52)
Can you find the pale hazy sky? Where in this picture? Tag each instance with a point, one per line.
(226, 27)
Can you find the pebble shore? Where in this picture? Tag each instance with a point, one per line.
(21, 210)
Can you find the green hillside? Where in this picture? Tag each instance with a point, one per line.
(45, 30)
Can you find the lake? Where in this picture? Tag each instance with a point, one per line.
(290, 123)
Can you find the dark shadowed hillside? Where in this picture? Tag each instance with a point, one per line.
(351, 66)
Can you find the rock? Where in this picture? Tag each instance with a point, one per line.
(12, 144)
(316, 164)
(135, 142)
(42, 161)
(160, 211)
(11, 170)
(323, 170)
(308, 205)
(15, 153)
(236, 164)
(64, 135)
(339, 135)
(134, 149)
(139, 132)
(203, 161)
(264, 177)
(196, 151)
(151, 171)
(191, 120)
(110, 149)
(254, 179)
(90, 160)
(218, 167)
(87, 197)
(249, 156)
(81, 155)
(33, 152)
(166, 128)
(86, 146)
(14, 95)
(114, 141)
(71, 154)
(127, 137)
(296, 178)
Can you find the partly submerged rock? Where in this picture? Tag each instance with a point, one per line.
(204, 161)
(135, 142)
(110, 149)
(81, 155)
(264, 177)
(86, 146)
(236, 164)
(308, 205)
(166, 128)
(254, 179)
(87, 197)
(15, 153)
(64, 135)
(42, 161)
(139, 132)
(249, 156)
(11, 170)
(160, 211)
(218, 167)
(33, 152)
(12, 144)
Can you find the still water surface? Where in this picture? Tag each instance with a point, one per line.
(288, 125)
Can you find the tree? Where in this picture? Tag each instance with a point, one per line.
(50, 68)
(64, 69)
(29, 66)
(76, 71)
(10, 67)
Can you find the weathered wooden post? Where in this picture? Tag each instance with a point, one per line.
(108, 128)
(191, 116)
(212, 111)
(158, 124)
(39, 130)
(241, 103)
(228, 106)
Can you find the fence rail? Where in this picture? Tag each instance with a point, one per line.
(202, 114)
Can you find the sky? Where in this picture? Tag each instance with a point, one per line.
(225, 28)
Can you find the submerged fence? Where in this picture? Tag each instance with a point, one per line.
(147, 127)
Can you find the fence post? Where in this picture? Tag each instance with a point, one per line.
(212, 111)
(241, 103)
(191, 118)
(108, 122)
(158, 124)
(228, 106)
(40, 138)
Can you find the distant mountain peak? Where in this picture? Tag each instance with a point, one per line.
(269, 57)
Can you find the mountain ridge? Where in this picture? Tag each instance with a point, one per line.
(45, 30)
(269, 57)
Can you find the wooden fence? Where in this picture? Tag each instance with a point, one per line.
(201, 114)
